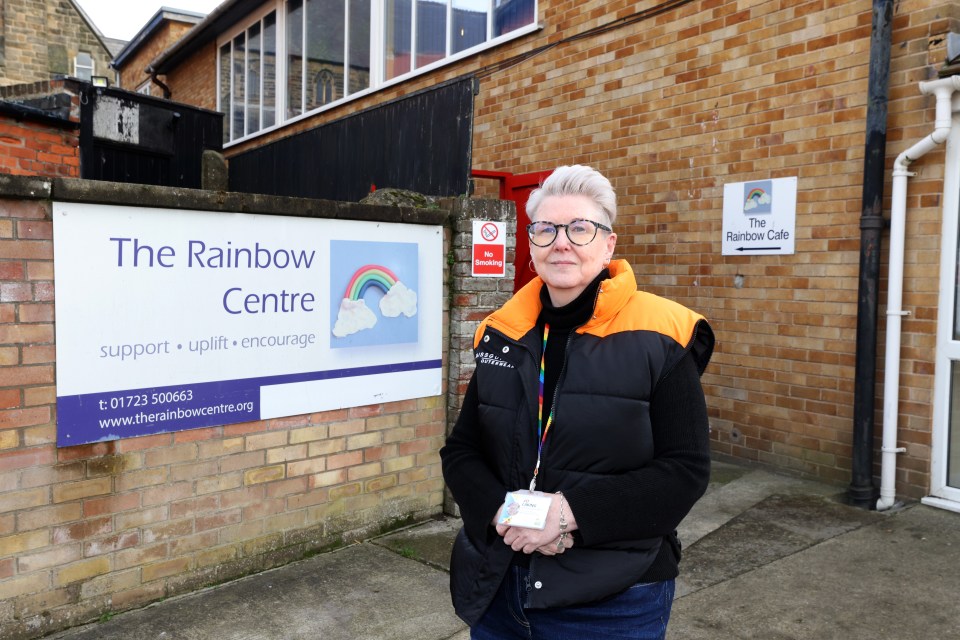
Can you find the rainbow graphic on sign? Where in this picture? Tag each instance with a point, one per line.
(757, 198)
(370, 275)
(354, 314)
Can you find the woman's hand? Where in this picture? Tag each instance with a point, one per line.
(546, 541)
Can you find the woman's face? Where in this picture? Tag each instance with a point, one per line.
(564, 267)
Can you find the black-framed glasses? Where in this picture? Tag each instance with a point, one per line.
(579, 232)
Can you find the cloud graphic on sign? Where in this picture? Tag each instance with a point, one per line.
(399, 300)
(756, 198)
(354, 315)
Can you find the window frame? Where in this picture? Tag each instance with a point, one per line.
(227, 39)
(77, 66)
(376, 59)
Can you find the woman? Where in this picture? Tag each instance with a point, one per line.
(586, 392)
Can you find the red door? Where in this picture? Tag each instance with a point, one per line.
(517, 188)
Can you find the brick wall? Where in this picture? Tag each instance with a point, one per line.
(42, 38)
(133, 73)
(109, 526)
(196, 82)
(672, 106)
(34, 147)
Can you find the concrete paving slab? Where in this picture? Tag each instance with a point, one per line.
(895, 579)
(773, 557)
(734, 489)
(430, 542)
(362, 591)
(774, 528)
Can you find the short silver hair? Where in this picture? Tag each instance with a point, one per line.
(576, 180)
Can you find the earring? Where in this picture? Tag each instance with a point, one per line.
(606, 263)
(532, 266)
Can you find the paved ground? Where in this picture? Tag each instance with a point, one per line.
(765, 556)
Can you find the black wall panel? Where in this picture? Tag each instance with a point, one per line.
(128, 137)
(420, 142)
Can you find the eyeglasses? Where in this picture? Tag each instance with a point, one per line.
(579, 232)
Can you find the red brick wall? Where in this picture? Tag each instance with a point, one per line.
(31, 148)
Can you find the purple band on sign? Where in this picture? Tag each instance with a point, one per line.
(95, 417)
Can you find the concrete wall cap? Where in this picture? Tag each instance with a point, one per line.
(141, 195)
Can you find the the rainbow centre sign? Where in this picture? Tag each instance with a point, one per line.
(171, 320)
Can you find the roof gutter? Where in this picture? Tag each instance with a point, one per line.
(217, 21)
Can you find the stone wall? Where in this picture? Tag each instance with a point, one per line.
(41, 38)
(472, 299)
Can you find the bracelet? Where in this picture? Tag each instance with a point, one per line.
(563, 519)
(563, 525)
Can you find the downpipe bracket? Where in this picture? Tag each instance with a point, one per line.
(893, 449)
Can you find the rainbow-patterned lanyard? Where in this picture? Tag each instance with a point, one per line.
(542, 429)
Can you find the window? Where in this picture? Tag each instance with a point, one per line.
(248, 79)
(83, 66)
(330, 50)
(469, 26)
(324, 92)
(144, 88)
(335, 36)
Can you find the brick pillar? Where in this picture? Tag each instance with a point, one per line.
(472, 299)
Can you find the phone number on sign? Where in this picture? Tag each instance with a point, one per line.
(146, 400)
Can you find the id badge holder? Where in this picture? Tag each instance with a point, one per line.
(527, 509)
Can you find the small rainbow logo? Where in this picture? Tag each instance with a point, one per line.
(755, 194)
(369, 275)
(354, 315)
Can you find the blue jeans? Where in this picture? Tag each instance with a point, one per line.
(639, 613)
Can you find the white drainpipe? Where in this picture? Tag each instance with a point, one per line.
(943, 89)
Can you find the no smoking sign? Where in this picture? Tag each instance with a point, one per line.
(489, 249)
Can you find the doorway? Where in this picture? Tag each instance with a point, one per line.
(945, 451)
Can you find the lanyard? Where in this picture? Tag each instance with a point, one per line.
(542, 429)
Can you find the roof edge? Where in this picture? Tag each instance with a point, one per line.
(162, 14)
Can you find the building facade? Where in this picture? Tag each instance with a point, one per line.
(45, 39)
(162, 30)
(672, 101)
(675, 102)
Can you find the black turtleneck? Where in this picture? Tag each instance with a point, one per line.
(562, 321)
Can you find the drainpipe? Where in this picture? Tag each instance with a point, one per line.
(155, 80)
(943, 90)
(862, 492)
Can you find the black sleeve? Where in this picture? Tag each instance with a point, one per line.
(651, 501)
(477, 490)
